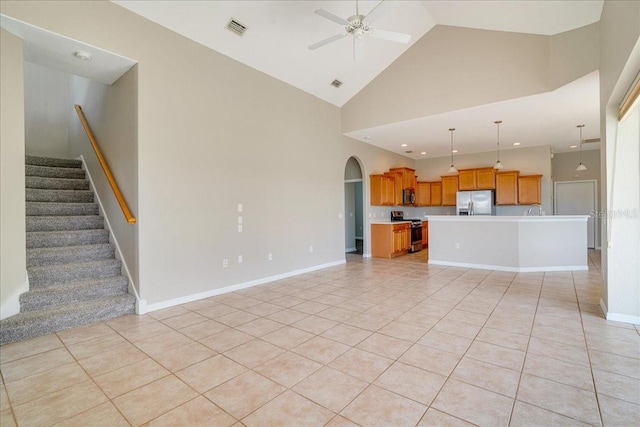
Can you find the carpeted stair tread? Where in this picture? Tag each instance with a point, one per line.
(62, 223)
(41, 322)
(47, 275)
(69, 254)
(67, 196)
(61, 209)
(68, 293)
(54, 172)
(56, 183)
(52, 162)
(48, 239)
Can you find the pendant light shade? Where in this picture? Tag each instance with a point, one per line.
(498, 165)
(452, 169)
(581, 166)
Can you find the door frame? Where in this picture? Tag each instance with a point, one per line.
(596, 222)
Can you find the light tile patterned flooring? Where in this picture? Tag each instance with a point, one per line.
(373, 342)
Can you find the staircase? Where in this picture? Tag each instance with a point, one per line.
(74, 278)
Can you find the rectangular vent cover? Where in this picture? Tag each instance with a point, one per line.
(336, 83)
(236, 27)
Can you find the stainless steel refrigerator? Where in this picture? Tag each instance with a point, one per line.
(480, 202)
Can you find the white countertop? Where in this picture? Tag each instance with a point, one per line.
(497, 218)
(388, 222)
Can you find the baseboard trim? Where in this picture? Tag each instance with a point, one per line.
(12, 305)
(132, 286)
(350, 249)
(510, 269)
(194, 297)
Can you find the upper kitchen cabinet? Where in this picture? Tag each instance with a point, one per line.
(449, 190)
(382, 190)
(507, 188)
(429, 193)
(407, 177)
(477, 179)
(529, 189)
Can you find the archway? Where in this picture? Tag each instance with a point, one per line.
(353, 207)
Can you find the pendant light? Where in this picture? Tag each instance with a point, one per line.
(452, 169)
(498, 165)
(581, 166)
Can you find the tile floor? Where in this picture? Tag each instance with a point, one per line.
(373, 342)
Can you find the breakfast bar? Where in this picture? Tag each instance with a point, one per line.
(509, 243)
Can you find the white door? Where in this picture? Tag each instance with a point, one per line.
(577, 198)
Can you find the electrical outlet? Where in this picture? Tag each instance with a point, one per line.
(310, 248)
(225, 263)
(239, 228)
(457, 245)
(239, 207)
(240, 220)
(270, 257)
(239, 259)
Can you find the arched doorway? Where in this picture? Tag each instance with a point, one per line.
(353, 207)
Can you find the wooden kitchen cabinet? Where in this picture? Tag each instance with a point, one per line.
(407, 175)
(477, 179)
(507, 188)
(397, 178)
(382, 190)
(436, 193)
(449, 190)
(423, 194)
(529, 189)
(425, 234)
(390, 240)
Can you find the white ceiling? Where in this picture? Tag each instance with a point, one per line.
(279, 33)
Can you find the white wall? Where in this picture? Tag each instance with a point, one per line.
(47, 106)
(619, 65)
(13, 279)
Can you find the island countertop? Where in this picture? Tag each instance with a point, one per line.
(509, 243)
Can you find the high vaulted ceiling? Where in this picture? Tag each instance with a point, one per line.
(279, 32)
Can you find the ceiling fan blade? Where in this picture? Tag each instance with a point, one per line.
(374, 13)
(390, 35)
(327, 41)
(331, 17)
(358, 48)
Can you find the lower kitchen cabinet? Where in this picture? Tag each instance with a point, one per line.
(390, 240)
(425, 234)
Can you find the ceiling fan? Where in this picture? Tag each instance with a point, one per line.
(359, 25)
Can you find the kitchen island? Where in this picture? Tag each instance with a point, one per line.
(509, 243)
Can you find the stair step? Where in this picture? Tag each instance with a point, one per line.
(41, 322)
(48, 239)
(61, 209)
(52, 162)
(66, 196)
(54, 172)
(68, 254)
(56, 183)
(62, 223)
(69, 293)
(47, 275)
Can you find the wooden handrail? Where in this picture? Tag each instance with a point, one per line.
(112, 182)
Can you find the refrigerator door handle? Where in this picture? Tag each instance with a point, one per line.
(470, 207)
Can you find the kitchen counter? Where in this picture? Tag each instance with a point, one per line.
(509, 243)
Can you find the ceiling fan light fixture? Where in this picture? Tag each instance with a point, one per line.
(581, 166)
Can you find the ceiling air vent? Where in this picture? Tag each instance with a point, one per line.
(236, 27)
(336, 83)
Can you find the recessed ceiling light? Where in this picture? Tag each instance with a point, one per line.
(367, 137)
(516, 143)
(403, 145)
(83, 56)
(424, 152)
(454, 151)
(573, 146)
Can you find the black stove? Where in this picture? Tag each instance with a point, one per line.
(416, 229)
